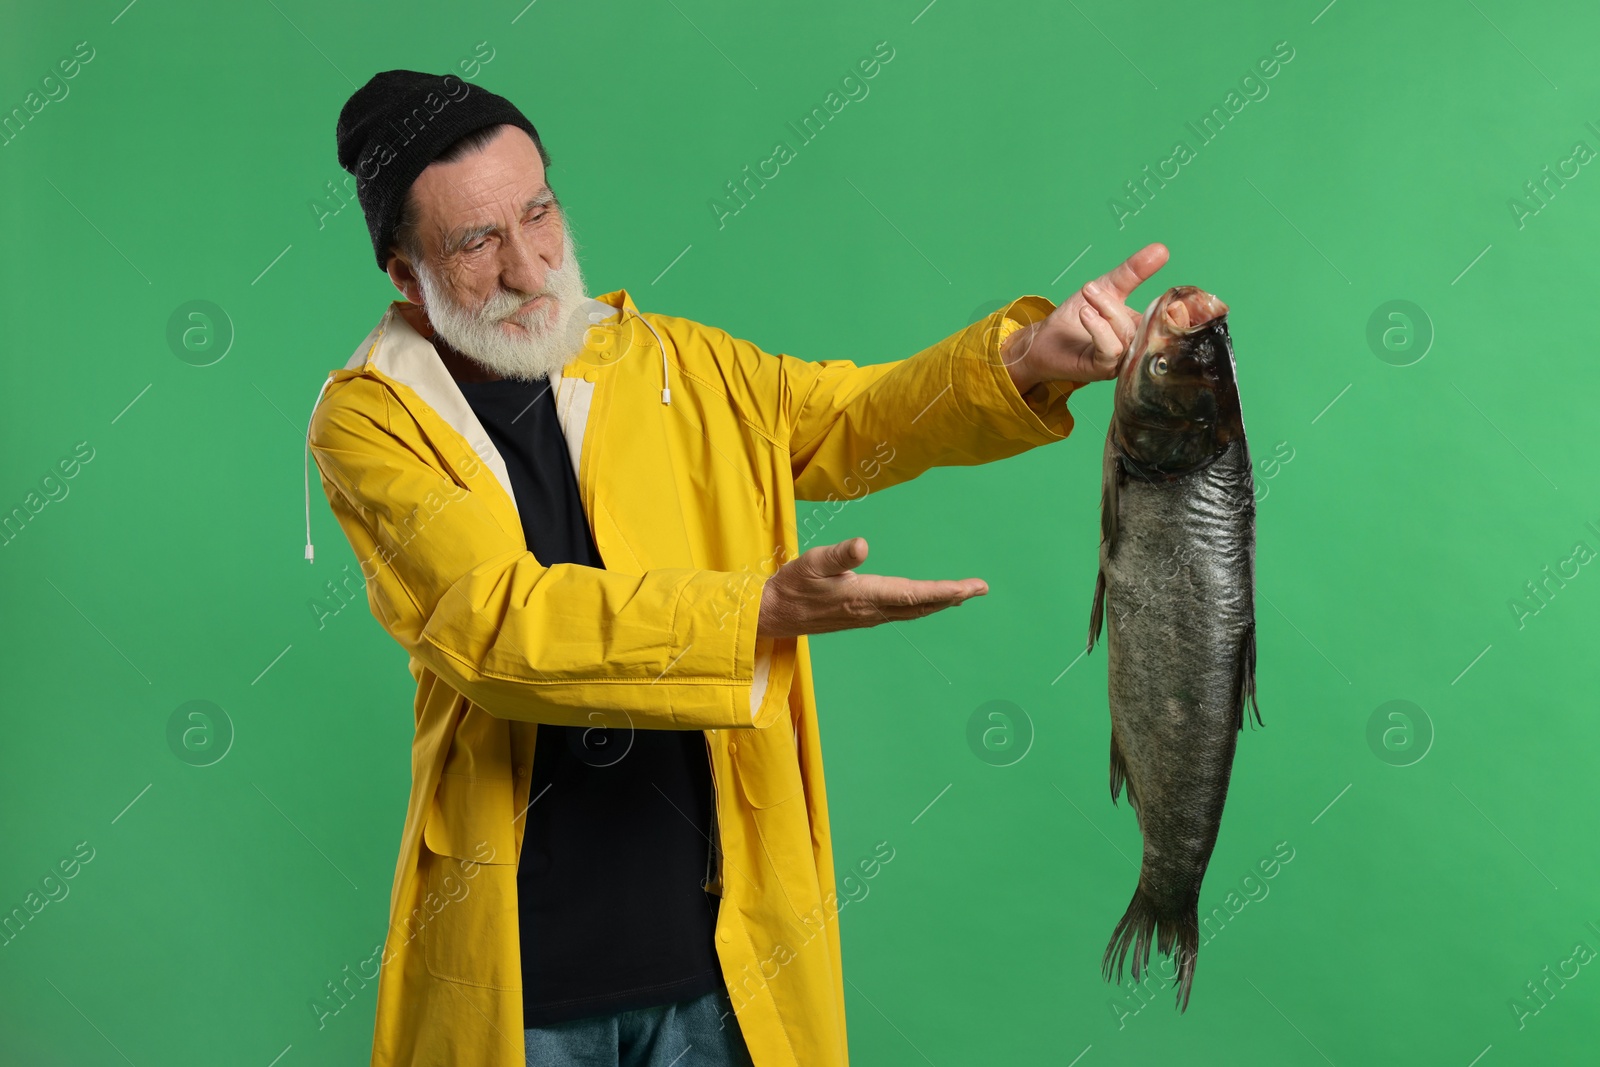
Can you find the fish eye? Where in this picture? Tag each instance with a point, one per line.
(1159, 365)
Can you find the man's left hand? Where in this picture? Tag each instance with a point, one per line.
(1083, 340)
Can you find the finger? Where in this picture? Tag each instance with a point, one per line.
(917, 611)
(1106, 342)
(826, 560)
(1133, 271)
(887, 592)
(860, 614)
(1112, 309)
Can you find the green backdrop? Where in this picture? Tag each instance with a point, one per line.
(1435, 472)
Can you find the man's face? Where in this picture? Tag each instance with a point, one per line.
(498, 277)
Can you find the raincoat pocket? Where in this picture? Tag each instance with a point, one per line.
(768, 770)
(471, 819)
(469, 878)
(469, 932)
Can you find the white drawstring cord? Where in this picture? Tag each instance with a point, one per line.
(306, 470)
(666, 392)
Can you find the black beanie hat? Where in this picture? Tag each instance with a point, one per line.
(399, 122)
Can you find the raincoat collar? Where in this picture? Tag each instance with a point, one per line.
(400, 347)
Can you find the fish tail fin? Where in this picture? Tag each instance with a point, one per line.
(1184, 941)
(1177, 936)
(1097, 612)
(1247, 677)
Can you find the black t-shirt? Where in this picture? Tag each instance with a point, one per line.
(611, 905)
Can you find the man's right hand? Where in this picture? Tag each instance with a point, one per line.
(819, 592)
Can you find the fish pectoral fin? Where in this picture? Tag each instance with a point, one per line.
(1119, 779)
(1097, 611)
(1247, 677)
(1111, 475)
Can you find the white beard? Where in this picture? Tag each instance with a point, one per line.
(547, 345)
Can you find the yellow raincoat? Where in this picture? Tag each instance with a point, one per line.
(691, 497)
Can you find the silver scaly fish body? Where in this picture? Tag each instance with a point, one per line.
(1176, 593)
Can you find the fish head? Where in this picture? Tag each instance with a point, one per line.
(1177, 399)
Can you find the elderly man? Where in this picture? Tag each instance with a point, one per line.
(578, 519)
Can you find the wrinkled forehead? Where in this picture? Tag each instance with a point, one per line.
(483, 187)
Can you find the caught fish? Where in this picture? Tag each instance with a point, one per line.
(1176, 592)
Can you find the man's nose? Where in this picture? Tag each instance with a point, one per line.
(522, 264)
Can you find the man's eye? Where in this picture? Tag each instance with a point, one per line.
(539, 217)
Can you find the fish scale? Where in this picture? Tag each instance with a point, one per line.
(1175, 593)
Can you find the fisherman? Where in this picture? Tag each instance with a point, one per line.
(577, 518)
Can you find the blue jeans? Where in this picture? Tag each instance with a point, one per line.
(692, 1033)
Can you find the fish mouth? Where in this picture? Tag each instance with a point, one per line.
(1180, 312)
(1190, 308)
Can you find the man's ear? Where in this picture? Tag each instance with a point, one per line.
(404, 278)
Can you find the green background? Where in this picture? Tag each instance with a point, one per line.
(183, 165)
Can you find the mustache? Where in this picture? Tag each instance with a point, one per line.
(503, 303)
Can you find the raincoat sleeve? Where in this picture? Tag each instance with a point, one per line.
(853, 430)
(669, 649)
